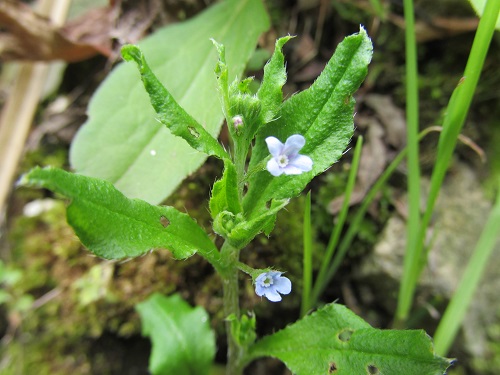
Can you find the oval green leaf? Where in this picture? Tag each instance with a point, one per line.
(183, 342)
(113, 227)
(333, 340)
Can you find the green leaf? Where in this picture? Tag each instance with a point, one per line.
(183, 342)
(274, 78)
(225, 192)
(177, 120)
(221, 72)
(245, 230)
(243, 329)
(323, 114)
(123, 143)
(112, 226)
(334, 340)
(256, 110)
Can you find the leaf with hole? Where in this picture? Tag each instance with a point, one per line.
(113, 226)
(333, 340)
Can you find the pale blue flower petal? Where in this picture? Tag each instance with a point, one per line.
(270, 284)
(259, 290)
(283, 285)
(286, 158)
(291, 170)
(274, 168)
(273, 296)
(303, 162)
(275, 146)
(293, 145)
(274, 275)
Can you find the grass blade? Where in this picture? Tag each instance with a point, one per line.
(322, 279)
(307, 265)
(455, 312)
(457, 110)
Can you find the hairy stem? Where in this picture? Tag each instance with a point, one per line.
(231, 302)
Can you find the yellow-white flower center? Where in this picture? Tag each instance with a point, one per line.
(283, 161)
(268, 281)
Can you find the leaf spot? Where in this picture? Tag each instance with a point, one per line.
(268, 204)
(372, 370)
(164, 221)
(345, 335)
(193, 132)
(332, 368)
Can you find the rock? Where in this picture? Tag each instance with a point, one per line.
(460, 215)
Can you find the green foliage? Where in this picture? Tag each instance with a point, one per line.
(249, 113)
(456, 113)
(113, 226)
(123, 143)
(333, 340)
(94, 285)
(183, 342)
(256, 110)
(323, 114)
(245, 230)
(243, 329)
(177, 120)
(270, 92)
(322, 280)
(225, 192)
(9, 277)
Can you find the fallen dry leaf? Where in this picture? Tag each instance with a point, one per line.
(33, 37)
(29, 36)
(371, 165)
(385, 132)
(438, 27)
(391, 117)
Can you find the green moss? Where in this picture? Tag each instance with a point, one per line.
(491, 364)
(79, 298)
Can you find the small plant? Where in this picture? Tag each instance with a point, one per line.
(287, 144)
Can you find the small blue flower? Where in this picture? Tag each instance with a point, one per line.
(270, 284)
(286, 158)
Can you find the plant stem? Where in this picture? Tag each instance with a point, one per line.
(322, 279)
(247, 269)
(240, 158)
(411, 259)
(355, 223)
(307, 263)
(231, 303)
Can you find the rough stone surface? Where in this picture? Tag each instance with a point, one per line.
(460, 215)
